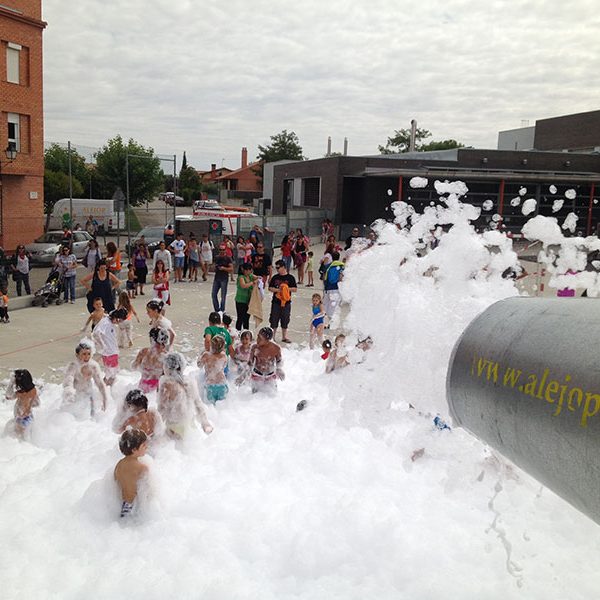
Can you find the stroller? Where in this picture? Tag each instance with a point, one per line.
(51, 290)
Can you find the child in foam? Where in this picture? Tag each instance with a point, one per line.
(178, 399)
(155, 309)
(80, 376)
(214, 363)
(266, 364)
(150, 360)
(338, 358)
(242, 352)
(135, 414)
(22, 389)
(105, 337)
(129, 471)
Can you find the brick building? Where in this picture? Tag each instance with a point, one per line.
(22, 122)
(244, 183)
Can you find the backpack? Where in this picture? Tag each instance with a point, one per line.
(332, 275)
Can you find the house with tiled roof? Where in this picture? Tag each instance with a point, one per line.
(244, 183)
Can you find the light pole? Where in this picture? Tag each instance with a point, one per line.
(11, 154)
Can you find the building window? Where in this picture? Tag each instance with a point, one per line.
(14, 133)
(13, 57)
(311, 188)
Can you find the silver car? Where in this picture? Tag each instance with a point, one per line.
(44, 249)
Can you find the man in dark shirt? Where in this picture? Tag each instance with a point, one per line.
(281, 284)
(223, 267)
(351, 238)
(261, 263)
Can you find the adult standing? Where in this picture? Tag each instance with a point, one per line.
(282, 285)
(301, 254)
(178, 246)
(3, 272)
(223, 267)
(89, 227)
(286, 252)
(331, 278)
(101, 284)
(67, 263)
(160, 279)
(246, 282)
(240, 253)
(206, 255)
(162, 254)
(67, 237)
(21, 267)
(92, 256)
(193, 256)
(230, 251)
(113, 259)
(262, 265)
(141, 256)
(350, 239)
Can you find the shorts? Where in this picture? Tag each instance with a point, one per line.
(111, 362)
(130, 285)
(216, 392)
(148, 385)
(194, 263)
(280, 314)
(24, 422)
(179, 261)
(140, 274)
(177, 429)
(260, 382)
(126, 508)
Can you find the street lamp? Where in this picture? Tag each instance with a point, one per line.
(11, 154)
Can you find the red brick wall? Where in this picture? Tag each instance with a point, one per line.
(22, 218)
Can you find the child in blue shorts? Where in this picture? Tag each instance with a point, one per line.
(214, 363)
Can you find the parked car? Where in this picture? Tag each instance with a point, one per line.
(153, 236)
(44, 249)
(170, 198)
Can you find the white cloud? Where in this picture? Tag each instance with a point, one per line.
(209, 79)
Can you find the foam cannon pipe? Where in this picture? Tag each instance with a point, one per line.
(525, 378)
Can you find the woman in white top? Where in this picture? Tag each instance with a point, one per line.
(162, 254)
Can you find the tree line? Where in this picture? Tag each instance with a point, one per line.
(147, 177)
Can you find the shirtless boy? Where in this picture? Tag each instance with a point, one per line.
(22, 389)
(214, 363)
(130, 470)
(265, 362)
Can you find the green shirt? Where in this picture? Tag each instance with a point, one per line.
(216, 330)
(243, 295)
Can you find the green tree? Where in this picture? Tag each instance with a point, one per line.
(400, 142)
(190, 184)
(145, 174)
(56, 158)
(56, 186)
(442, 145)
(184, 162)
(284, 145)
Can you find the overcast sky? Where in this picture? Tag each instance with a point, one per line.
(210, 77)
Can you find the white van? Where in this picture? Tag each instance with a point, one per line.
(103, 211)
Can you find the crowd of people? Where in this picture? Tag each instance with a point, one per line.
(169, 398)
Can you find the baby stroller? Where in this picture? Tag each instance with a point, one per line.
(51, 290)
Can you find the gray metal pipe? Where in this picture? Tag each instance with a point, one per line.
(525, 378)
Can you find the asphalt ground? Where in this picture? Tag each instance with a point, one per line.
(43, 339)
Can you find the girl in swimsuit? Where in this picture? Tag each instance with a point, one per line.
(317, 320)
(149, 361)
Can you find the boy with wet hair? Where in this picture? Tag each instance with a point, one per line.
(265, 363)
(80, 375)
(214, 363)
(129, 470)
(137, 415)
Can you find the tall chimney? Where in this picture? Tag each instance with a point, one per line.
(413, 135)
(328, 146)
(244, 157)
(213, 170)
(345, 146)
